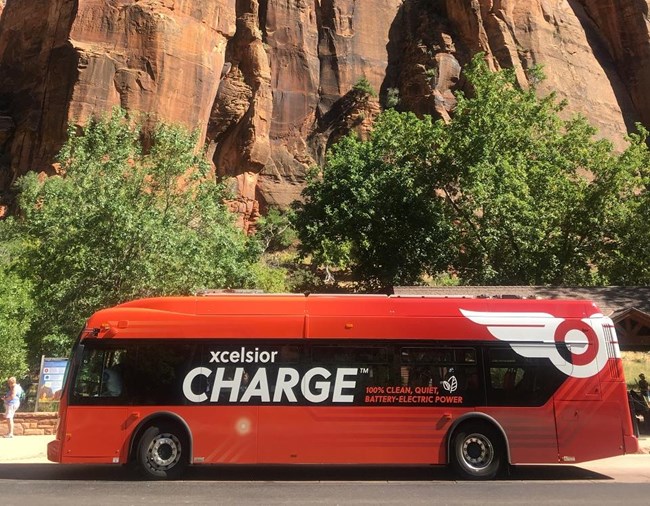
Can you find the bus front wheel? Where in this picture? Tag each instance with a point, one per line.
(477, 451)
(162, 452)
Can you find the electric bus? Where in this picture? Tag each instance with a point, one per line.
(475, 383)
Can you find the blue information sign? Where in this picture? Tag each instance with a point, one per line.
(50, 380)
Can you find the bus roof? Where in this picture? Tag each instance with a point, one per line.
(291, 316)
(367, 305)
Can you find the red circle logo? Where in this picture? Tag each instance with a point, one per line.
(590, 353)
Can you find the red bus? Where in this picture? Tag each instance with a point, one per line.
(479, 384)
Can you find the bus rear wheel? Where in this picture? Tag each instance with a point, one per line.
(477, 451)
(162, 452)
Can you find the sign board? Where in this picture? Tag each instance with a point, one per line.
(50, 381)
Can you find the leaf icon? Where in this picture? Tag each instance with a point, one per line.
(453, 384)
(446, 385)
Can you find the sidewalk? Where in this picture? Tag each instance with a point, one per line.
(644, 443)
(24, 449)
(33, 449)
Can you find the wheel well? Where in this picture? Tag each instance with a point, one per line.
(153, 420)
(483, 419)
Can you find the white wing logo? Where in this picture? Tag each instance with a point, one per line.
(536, 335)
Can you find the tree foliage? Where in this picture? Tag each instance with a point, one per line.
(507, 192)
(123, 223)
(274, 230)
(364, 86)
(16, 311)
(625, 258)
(531, 194)
(373, 209)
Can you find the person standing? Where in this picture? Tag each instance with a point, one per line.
(12, 403)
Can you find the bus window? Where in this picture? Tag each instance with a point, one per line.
(452, 371)
(373, 360)
(288, 354)
(100, 376)
(156, 377)
(349, 355)
(514, 380)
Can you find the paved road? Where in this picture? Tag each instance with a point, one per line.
(53, 485)
(25, 479)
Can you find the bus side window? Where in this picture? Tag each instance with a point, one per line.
(372, 359)
(88, 381)
(514, 380)
(100, 374)
(453, 371)
(157, 378)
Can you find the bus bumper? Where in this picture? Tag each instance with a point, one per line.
(54, 451)
(631, 444)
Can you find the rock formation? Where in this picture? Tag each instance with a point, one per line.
(270, 83)
(64, 60)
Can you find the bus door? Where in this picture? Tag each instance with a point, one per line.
(96, 415)
(520, 383)
(589, 409)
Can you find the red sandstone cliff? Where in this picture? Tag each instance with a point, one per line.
(269, 82)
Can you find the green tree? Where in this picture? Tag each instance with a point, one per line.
(531, 193)
(363, 86)
(625, 258)
(274, 230)
(373, 209)
(506, 193)
(123, 223)
(16, 311)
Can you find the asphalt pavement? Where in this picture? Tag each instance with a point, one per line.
(33, 450)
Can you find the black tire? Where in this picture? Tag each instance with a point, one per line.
(477, 451)
(163, 452)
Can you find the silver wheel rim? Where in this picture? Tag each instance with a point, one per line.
(477, 451)
(164, 451)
